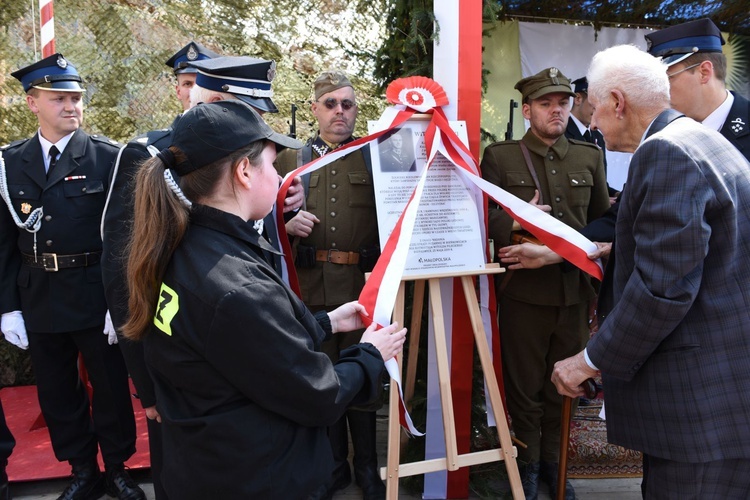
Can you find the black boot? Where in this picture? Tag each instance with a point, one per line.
(529, 479)
(548, 474)
(362, 429)
(87, 483)
(120, 485)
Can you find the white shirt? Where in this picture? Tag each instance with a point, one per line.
(717, 118)
(46, 146)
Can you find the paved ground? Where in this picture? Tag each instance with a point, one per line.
(586, 489)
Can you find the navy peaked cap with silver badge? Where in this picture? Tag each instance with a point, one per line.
(51, 73)
(247, 78)
(679, 42)
(189, 53)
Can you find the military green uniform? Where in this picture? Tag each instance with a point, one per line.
(543, 312)
(341, 195)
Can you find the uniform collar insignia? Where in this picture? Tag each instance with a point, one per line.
(737, 125)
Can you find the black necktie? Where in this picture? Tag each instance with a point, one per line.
(53, 152)
(588, 137)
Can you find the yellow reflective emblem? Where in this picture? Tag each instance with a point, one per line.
(169, 304)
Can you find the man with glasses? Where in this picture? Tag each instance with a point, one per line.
(338, 243)
(697, 71)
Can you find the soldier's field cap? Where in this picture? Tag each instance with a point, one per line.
(581, 85)
(51, 73)
(193, 51)
(247, 78)
(209, 132)
(330, 80)
(545, 82)
(679, 42)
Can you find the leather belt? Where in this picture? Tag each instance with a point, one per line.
(337, 257)
(55, 262)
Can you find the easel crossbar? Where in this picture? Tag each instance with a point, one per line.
(438, 464)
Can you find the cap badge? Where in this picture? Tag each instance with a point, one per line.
(272, 71)
(25, 208)
(737, 125)
(192, 54)
(62, 62)
(553, 74)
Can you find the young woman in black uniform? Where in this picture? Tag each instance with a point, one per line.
(243, 391)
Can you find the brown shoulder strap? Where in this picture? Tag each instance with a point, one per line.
(526, 157)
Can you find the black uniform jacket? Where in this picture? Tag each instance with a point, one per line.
(73, 199)
(244, 394)
(737, 125)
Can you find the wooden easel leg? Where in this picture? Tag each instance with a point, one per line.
(394, 423)
(492, 387)
(444, 375)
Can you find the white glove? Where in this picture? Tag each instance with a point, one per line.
(14, 329)
(109, 329)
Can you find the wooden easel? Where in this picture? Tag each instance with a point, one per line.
(453, 461)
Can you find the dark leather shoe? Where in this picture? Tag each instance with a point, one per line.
(529, 479)
(548, 474)
(121, 486)
(87, 483)
(369, 480)
(338, 481)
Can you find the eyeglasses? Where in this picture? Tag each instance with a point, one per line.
(670, 75)
(346, 104)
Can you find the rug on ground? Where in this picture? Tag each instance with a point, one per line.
(589, 453)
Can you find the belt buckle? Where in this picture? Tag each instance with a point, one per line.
(52, 256)
(328, 258)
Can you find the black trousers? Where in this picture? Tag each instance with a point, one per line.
(78, 427)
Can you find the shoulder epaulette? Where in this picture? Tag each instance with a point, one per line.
(14, 144)
(505, 143)
(156, 135)
(105, 140)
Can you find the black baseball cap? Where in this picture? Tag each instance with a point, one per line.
(209, 132)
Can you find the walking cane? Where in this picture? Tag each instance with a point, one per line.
(589, 388)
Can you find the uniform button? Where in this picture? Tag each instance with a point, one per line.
(557, 198)
(523, 182)
(333, 200)
(333, 229)
(553, 172)
(48, 243)
(333, 172)
(333, 214)
(83, 190)
(48, 218)
(21, 193)
(333, 245)
(560, 214)
(583, 181)
(333, 186)
(550, 157)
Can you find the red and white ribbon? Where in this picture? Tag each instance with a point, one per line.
(379, 293)
(47, 27)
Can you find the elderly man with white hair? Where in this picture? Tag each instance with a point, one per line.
(672, 347)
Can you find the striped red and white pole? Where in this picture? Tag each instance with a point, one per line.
(47, 25)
